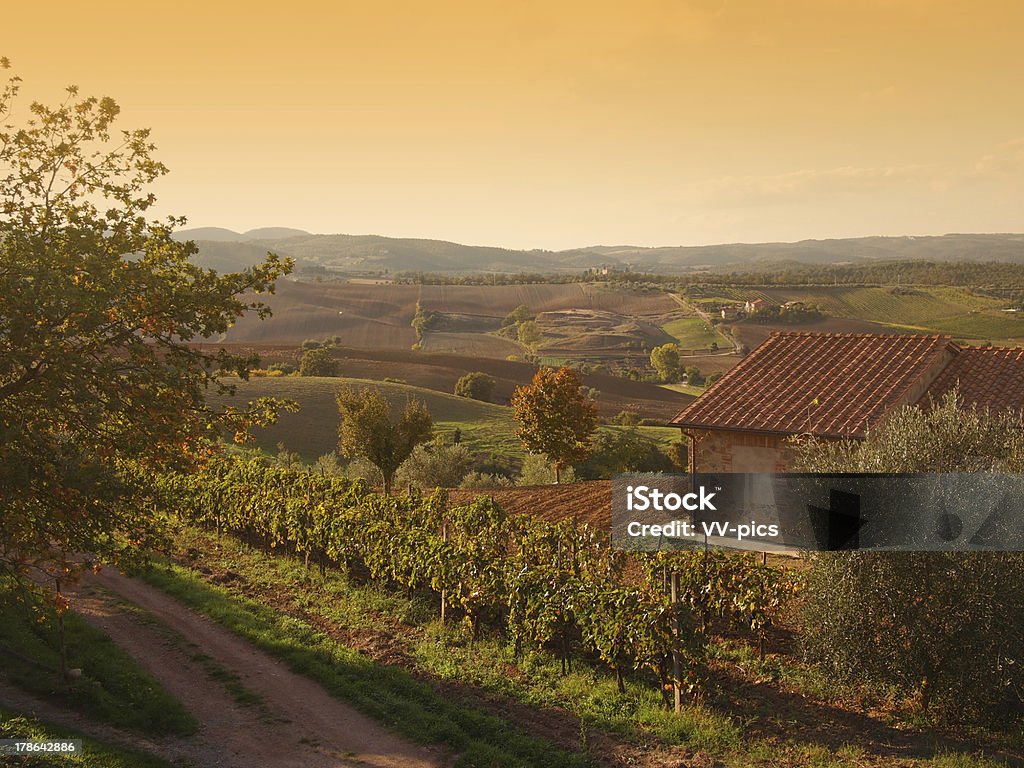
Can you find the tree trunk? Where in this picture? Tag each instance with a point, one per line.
(558, 473)
(60, 639)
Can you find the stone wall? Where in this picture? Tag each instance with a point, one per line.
(723, 451)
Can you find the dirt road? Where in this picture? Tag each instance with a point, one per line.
(293, 722)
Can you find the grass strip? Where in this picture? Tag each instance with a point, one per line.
(94, 754)
(113, 688)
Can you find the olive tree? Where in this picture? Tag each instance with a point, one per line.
(367, 430)
(946, 628)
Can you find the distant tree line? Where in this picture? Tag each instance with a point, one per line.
(981, 274)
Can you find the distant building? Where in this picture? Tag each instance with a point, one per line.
(835, 386)
(755, 306)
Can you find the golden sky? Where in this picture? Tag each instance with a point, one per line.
(560, 123)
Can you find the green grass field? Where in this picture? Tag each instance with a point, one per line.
(686, 389)
(485, 428)
(955, 311)
(693, 333)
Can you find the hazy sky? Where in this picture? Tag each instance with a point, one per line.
(553, 123)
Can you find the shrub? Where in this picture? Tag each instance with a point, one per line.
(626, 418)
(537, 470)
(476, 385)
(435, 466)
(944, 627)
(485, 481)
(318, 362)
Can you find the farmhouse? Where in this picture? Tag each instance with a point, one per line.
(835, 386)
(757, 305)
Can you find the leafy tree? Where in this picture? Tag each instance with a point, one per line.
(476, 385)
(693, 376)
(327, 464)
(537, 470)
(423, 321)
(98, 382)
(318, 362)
(287, 459)
(435, 465)
(947, 627)
(529, 334)
(366, 430)
(555, 417)
(665, 361)
(625, 450)
(518, 315)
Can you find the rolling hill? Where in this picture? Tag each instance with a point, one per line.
(312, 430)
(376, 253)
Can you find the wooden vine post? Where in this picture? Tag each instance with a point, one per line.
(676, 652)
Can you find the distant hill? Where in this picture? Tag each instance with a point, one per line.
(275, 233)
(212, 234)
(224, 249)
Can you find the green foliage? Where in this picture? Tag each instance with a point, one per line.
(435, 465)
(529, 334)
(287, 459)
(942, 438)
(555, 417)
(693, 376)
(327, 464)
(793, 313)
(945, 627)
(518, 315)
(665, 361)
(99, 307)
(423, 321)
(537, 470)
(476, 385)
(545, 584)
(318, 362)
(625, 450)
(366, 430)
(626, 419)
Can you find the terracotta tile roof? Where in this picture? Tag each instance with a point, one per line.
(855, 379)
(990, 377)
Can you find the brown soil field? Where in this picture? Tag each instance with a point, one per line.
(440, 371)
(589, 502)
(471, 344)
(499, 300)
(362, 315)
(376, 316)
